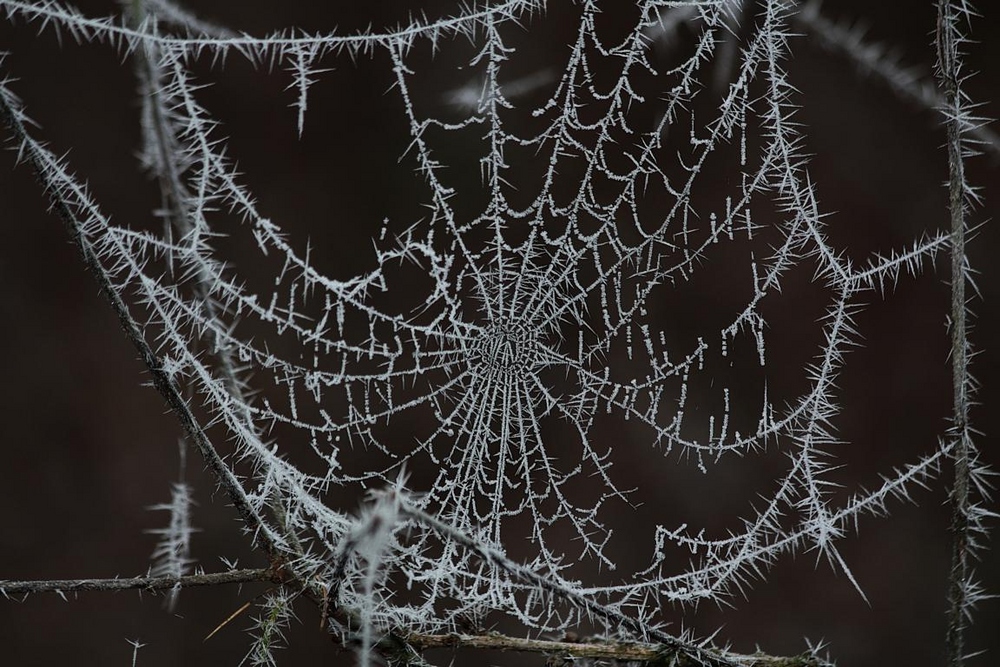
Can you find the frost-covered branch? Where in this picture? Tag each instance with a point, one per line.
(73, 205)
(599, 649)
(969, 474)
(63, 586)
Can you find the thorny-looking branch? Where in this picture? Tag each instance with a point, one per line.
(599, 650)
(64, 203)
(960, 595)
(61, 586)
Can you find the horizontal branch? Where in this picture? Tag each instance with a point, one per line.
(600, 650)
(61, 586)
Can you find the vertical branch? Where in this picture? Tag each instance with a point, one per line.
(948, 66)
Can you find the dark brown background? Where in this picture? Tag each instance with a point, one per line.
(87, 447)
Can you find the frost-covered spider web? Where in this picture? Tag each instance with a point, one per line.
(507, 345)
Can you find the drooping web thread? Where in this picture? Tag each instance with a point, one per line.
(494, 340)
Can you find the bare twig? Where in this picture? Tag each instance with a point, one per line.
(598, 649)
(9, 588)
(948, 66)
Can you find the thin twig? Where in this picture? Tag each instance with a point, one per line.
(949, 65)
(599, 650)
(9, 588)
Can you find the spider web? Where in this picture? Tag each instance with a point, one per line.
(494, 340)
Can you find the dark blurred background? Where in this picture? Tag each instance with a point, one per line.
(88, 446)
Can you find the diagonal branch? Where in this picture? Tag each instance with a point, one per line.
(67, 197)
